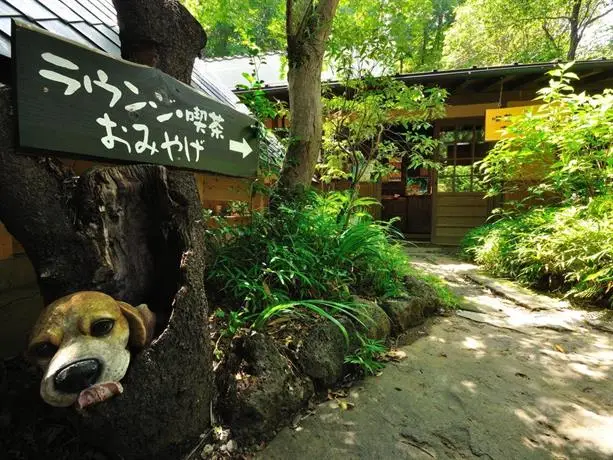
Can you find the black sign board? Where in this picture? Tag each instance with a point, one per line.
(78, 101)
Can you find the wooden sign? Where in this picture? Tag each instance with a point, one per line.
(498, 119)
(77, 101)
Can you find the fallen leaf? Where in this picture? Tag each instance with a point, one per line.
(394, 355)
(345, 405)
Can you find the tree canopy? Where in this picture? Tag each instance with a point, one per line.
(411, 35)
(399, 35)
(490, 32)
(236, 27)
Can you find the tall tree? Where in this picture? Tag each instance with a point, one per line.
(489, 32)
(582, 14)
(133, 232)
(308, 25)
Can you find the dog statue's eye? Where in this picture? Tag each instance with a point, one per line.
(101, 327)
(44, 350)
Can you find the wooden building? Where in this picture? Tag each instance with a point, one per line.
(442, 207)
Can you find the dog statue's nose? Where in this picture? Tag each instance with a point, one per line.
(77, 376)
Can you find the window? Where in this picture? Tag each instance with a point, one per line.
(463, 145)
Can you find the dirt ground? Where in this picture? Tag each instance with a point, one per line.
(512, 375)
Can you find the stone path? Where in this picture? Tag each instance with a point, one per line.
(512, 376)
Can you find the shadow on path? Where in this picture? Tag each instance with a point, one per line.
(510, 383)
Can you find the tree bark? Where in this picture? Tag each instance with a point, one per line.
(136, 233)
(574, 30)
(308, 27)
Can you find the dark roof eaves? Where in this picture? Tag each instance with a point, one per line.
(486, 72)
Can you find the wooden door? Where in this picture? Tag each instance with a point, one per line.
(459, 202)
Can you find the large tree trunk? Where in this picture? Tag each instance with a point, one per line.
(308, 27)
(136, 233)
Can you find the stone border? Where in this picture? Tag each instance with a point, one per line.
(263, 386)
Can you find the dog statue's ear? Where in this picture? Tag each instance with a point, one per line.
(142, 324)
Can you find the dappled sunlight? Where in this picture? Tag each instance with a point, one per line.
(556, 424)
(455, 266)
(476, 345)
(499, 381)
(584, 369)
(472, 343)
(485, 300)
(593, 430)
(349, 438)
(433, 338)
(470, 386)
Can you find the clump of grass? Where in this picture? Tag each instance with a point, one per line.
(325, 247)
(567, 249)
(367, 356)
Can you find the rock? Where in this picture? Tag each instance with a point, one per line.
(404, 313)
(322, 354)
(231, 446)
(412, 308)
(259, 390)
(376, 322)
(207, 451)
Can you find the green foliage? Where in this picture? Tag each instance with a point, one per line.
(494, 32)
(567, 148)
(374, 121)
(235, 319)
(448, 300)
(568, 248)
(568, 142)
(236, 27)
(327, 247)
(254, 96)
(367, 355)
(325, 309)
(367, 37)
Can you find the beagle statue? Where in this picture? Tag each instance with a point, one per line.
(81, 342)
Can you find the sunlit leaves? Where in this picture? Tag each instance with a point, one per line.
(567, 144)
(375, 122)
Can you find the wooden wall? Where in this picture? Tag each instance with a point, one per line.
(455, 214)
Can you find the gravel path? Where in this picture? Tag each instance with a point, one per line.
(512, 376)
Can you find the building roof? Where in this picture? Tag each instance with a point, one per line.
(480, 83)
(93, 23)
(272, 69)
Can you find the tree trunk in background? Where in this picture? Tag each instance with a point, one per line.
(308, 27)
(574, 30)
(136, 233)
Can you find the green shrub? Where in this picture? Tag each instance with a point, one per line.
(566, 248)
(568, 245)
(327, 247)
(568, 140)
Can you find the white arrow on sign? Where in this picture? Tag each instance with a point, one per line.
(241, 147)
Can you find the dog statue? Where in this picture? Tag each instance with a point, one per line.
(81, 341)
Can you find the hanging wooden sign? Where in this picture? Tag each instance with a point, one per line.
(77, 101)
